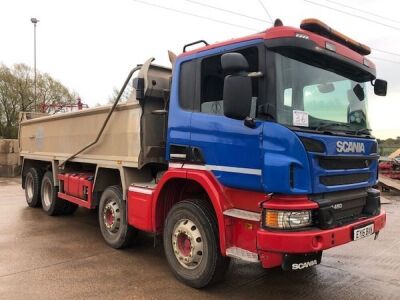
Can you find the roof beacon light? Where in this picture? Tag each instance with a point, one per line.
(330, 46)
(324, 30)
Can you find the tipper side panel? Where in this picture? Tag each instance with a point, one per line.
(59, 136)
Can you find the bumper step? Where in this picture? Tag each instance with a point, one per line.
(242, 254)
(243, 214)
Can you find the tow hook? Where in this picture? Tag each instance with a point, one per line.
(376, 235)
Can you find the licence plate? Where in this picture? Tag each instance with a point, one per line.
(363, 232)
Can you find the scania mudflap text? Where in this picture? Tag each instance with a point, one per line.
(257, 148)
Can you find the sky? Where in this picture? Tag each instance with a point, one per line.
(91, 45)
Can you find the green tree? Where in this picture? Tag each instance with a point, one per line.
(17, 94)
(124, 97)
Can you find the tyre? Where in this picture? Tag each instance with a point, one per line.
(32, 187)
(191, 244)
(112, 219)
(51, 204)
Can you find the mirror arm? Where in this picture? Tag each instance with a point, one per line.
(249, 122)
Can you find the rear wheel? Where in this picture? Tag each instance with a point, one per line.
(191, 244)
(32, 187)
(112, 219)
(51, 204)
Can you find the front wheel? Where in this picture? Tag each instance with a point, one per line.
(191, 244)
(112, 219)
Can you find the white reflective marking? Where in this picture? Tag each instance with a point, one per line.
(243, 214)
(217, 168)
(140, 190)
(187, 166)
(175, 165)
(195, 167)
(235, 170)
(177, 155)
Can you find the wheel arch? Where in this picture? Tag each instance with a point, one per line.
(177, 185)
(106, 176)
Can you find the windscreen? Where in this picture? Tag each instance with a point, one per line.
(316, 98)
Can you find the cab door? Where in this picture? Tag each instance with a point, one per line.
(228, 148)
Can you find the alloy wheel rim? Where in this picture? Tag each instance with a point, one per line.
(111, 216)
(29, 187)
(47, 193)
(187, 244)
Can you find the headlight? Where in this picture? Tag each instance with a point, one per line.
(283, 219)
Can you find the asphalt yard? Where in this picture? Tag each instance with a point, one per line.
(65, 257)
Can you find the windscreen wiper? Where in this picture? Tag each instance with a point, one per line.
(327, 125)
(366, 131)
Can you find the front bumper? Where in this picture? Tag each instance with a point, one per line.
(272, 245)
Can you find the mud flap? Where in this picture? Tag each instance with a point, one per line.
(292, 262)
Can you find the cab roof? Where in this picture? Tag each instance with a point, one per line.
(287, 31)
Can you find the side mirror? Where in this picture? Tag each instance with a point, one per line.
(237, 86)
(380, 87)
(138, 85)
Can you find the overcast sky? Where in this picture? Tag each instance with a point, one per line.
(90, 45)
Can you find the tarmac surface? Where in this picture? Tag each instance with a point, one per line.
(44, 257)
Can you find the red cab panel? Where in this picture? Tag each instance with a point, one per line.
(140, 203)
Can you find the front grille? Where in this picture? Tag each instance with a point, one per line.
(344, 179)
(350, 210)
(339, 208)
(344, 164)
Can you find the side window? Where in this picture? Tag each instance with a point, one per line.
(187, 84)
(212, 82)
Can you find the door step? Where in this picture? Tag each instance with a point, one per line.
(242, 254)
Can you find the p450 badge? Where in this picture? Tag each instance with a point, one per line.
(347, 147)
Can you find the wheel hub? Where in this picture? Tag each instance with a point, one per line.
(111, 216)
(187, 244)
(29, 187)
(47, 193)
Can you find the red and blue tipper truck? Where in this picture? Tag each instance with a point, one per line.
(258, 148)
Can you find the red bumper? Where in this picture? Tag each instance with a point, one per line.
(271, 245)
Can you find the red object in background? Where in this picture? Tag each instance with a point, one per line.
(79, 103)
(77, 188)
(61, 107)
(390, 169)
(386, 165)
